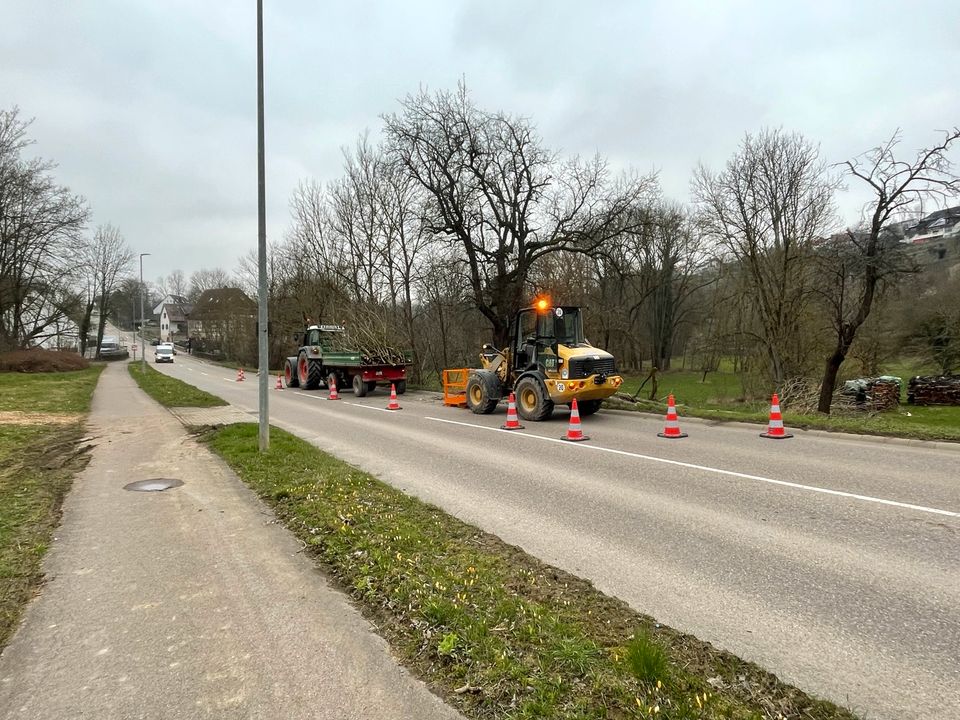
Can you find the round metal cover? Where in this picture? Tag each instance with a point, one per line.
(153, 485)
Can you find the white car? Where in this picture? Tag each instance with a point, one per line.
(163, 353)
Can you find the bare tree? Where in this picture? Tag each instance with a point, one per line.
(173, 284)
(867, 259)
(40, 221)
(205, 279)
(766, 210)
(496, 192)
(108, 259)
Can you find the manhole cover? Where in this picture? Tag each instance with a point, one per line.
(153, 485)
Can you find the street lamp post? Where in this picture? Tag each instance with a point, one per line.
(143, 350)
(262, 325)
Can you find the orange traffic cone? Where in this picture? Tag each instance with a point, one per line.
(239, 374)
(334, 395)
(393, 404)
(775, 429)
(672, 428)
(279, 383)
(512, 423)
(574, 434)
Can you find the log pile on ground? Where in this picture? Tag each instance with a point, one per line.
(37, 360)
(941, 390)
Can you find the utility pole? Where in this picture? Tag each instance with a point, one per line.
(143, 352)
(263, 376)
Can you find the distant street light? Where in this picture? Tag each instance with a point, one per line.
(143, 351)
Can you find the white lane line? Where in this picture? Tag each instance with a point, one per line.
(368, 407)
(309, 395)
(719, 471)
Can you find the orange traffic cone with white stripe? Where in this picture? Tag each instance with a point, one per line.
(279, 383)
(239, 374)
(775, 429)
(574, 433)
(334, 395)
(512, 423)
(672, 427)
(393, 404)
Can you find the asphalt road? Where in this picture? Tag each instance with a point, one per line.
(832, 561)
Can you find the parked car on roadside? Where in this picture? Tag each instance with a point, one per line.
(163, 353)
(111, 349)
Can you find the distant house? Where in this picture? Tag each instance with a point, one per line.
(170, 299)
(939, 225)
(223, 323)
(174, 315)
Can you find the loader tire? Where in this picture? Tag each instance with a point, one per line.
(401, 386)
(533, 401)
(309, 373)
(290, 378)
(589, 407)
(481, 398)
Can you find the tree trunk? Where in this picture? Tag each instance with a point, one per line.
(829, 384)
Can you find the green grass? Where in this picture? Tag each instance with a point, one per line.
(37, 465)
(722, 397)
(171, 392)
(498, 633)
(61, 392)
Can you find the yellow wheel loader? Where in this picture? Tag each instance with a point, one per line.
(547, 363)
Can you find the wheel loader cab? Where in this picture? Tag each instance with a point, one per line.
(538, 332)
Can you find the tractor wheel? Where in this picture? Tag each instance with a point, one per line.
(401, 386)
(371, 386)
(309, 373)
(480, 396)
(290, 377)
(359, 386)
(589, 407)
(533, 402)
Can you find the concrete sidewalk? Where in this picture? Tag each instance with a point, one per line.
(188, 603)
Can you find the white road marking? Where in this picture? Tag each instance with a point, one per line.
(310, 395)
(368, 407)
(719, 471)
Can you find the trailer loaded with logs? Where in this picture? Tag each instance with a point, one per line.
(325, 357)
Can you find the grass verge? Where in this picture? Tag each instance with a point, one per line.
(57, 392)
(37, 464)
(171, 392)
(495, 631)
(721, 396)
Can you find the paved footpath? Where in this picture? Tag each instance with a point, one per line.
(188, 603)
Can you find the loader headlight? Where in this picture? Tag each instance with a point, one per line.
(565, 373)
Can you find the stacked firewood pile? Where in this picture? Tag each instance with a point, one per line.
(942, 390)
(854, 397)
(883, 394)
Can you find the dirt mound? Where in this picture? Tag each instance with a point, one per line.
(36, 360)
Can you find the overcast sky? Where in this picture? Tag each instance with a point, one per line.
(149, 106)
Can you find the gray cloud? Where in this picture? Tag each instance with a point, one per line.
(149, 107)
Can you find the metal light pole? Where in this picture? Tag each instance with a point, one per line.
(262, 347)
(143, 352)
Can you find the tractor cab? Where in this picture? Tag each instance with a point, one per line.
(321, 336)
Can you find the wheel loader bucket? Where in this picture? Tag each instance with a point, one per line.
(455, 387)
